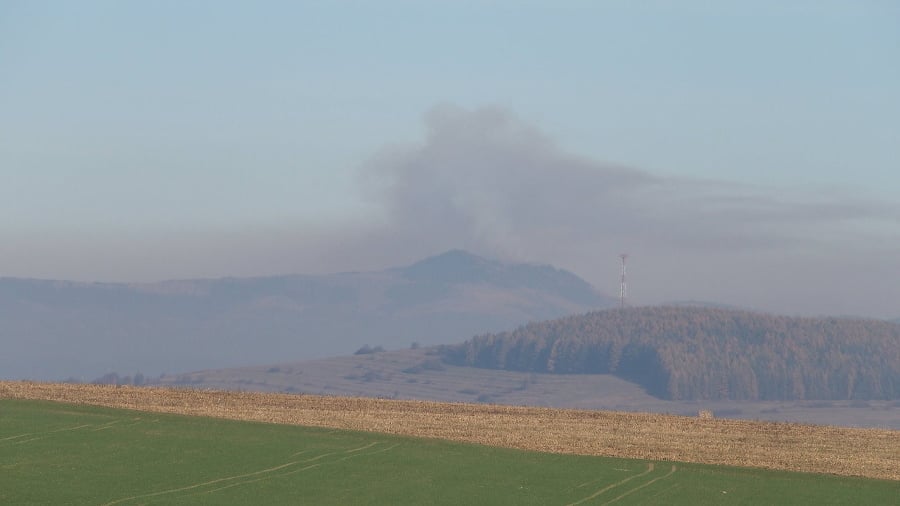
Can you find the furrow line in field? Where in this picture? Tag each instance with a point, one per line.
(635, 489)
(612, 486)
(295, 471)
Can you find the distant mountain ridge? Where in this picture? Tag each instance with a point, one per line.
(457, 266)
(684, 353)
(56, 329)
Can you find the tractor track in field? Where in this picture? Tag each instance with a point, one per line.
(872, 453)
(642, 485)
(17, 440)
(279, 471)
(612, 486)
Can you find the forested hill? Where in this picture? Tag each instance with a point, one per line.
(705, 353)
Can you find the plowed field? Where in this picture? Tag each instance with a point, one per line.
(873, 453)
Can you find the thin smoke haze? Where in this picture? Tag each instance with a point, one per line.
(486, 181)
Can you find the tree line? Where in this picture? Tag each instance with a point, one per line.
(687, 353)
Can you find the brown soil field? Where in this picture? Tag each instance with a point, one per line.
(873, 453)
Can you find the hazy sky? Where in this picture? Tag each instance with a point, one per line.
(743, 152)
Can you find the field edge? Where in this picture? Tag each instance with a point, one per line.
(868, 453)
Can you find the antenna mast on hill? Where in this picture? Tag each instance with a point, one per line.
(623, 288)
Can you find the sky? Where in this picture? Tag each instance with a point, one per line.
(743, 153)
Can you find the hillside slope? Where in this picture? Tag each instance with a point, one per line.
(705, 353)
(418, 374)
(60, 329)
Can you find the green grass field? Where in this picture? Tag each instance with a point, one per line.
(54, 453)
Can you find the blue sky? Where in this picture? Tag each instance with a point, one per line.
(152, 140)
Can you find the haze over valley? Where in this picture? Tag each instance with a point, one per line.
(391, 199)
(58, 329)
(454, 327)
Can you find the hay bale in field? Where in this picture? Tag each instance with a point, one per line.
(705, 414)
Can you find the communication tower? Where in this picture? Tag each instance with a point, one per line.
(623, 289)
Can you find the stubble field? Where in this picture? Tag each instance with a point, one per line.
(872, 453)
